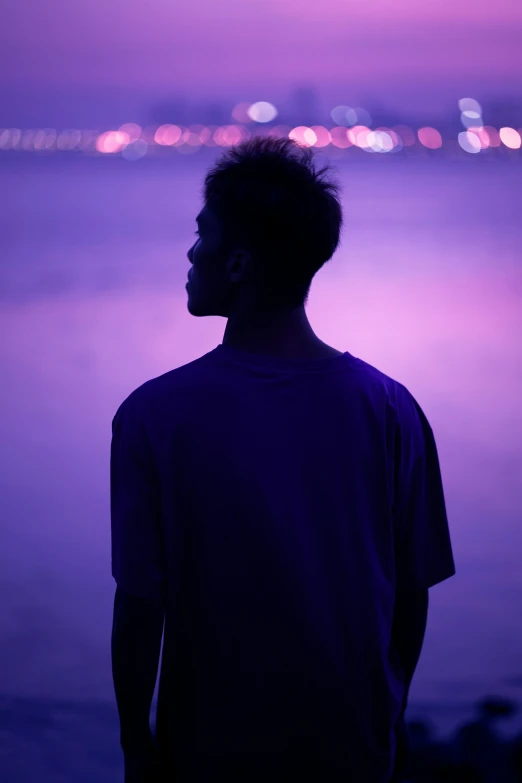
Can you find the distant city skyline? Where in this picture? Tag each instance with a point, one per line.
(303, 103)
(98, 65)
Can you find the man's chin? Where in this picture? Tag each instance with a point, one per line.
(196, 311)
(200, 310)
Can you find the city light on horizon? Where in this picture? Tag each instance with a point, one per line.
(430, 138)
(134, 142)
(262, 111)
(510, 138)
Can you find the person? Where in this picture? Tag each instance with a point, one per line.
(277, 514)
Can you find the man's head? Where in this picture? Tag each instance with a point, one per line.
(270, 221)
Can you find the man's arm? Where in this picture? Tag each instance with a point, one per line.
(409, 628)
(135, 649)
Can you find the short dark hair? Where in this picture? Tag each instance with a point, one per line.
(268, 194)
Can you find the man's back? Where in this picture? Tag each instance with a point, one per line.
(297, 499)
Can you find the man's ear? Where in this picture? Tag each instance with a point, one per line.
(240, 265)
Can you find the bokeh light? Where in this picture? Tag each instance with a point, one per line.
(26, 140)
(510, 138)
(208, 137)
(379, 140)
(303, 135)
(218, 136)
(233, 135)
(111, 142)
(262, 111)
(228, 135)
(132, 129)
(469, 142)
(240, 112)
(16, 138)
(362, 116)
(245, 133)
(396, 140)
(135, 150)
(44, 139)
(492, 133)
(193, 135)
(87, 139)
(191, 138)
(279, 131)
(373, 142)
(68, 139)
(180, 141)
(471, 119)
(358, 135)
(344, 115)
(430, 137)
(475, 138)
(167, 135)
(482, 135)
(322, 135)
(339, 137)
(470, 105)
(204, 133)
(11, 137)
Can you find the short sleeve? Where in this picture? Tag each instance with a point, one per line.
(424, 555)
(136, 538)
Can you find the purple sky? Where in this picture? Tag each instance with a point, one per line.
(237, 45)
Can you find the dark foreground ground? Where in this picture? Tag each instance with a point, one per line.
(51, 741)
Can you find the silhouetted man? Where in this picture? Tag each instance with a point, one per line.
(277, 504)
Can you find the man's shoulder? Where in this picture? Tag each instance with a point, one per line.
(373, 378)
(180, 377)
(402, 407)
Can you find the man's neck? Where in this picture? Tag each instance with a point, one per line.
(311, 348)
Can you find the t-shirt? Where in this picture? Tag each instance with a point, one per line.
(278, 505)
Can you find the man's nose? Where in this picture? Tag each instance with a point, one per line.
(189, 254)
